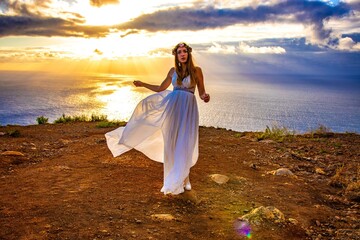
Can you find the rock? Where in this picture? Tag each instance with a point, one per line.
(253, 166)
(286, 155)
(347, 234)
(219, 179)
(12, 153)
(252, 151)
(163, 216)
(282, 172)
(264, 214)
(293, 221)
(320, 171)
(2, 133)
(352, 191)
(267, 141)
(191, 196)
(241, 180)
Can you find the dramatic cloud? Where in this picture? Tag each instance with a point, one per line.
(312, 14)
(24, 9)
(99, 3)
(45, 26)
(324, 21)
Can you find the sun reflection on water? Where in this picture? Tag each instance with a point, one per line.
(119, 101)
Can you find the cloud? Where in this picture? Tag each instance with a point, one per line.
(25, 9)
(245, 48)
(223, 49)
(210, 17)
(311, 14)
(348, 44)
(129, 33)
(47, 26)
(30, 19)
(98, 52)
(35, 54)
(99, 3)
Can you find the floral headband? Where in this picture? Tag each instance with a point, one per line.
(182, 44)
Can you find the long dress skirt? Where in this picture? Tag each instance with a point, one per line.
(165, 127)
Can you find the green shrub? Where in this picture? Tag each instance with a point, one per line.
(42, 120)
(98, 118)
(275, 133)
(321, 131)
(81, 118)
(107, 124)
(64, 119)
(14, 133)
(78, 118)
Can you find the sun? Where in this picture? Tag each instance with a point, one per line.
(107, 15)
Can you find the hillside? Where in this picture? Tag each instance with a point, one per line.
(59, 181)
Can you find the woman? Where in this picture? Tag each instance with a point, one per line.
(165, 125)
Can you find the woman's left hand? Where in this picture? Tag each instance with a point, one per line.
(205, 97)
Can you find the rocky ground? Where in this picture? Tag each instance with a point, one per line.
(59, 181)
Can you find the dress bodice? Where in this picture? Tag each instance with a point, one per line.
(185, 85)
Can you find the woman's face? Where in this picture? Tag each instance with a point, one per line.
(182, 54)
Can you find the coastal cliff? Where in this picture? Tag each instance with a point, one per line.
(59, 181)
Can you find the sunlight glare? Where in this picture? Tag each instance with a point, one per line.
(119, 104)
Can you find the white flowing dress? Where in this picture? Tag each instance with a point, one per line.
(165, 127)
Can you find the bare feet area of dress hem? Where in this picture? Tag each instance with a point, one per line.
(60, 181)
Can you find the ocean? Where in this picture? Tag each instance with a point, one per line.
(238, 102)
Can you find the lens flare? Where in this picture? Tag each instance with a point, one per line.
(243, 228)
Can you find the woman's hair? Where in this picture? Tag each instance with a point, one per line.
(190, 66)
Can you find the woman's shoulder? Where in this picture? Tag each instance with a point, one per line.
(197, 68)
(171, 71)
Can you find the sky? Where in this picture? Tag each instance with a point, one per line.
(136, 37)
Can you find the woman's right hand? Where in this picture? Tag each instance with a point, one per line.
(138, 83)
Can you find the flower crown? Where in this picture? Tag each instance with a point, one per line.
(182, 44)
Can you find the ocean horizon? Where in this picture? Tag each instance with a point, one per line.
(239, 102)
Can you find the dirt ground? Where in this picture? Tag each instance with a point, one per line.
(67, 185)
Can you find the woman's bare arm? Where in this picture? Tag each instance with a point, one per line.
(201, 86)
(157, 88)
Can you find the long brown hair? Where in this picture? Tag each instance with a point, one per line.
(190, 66)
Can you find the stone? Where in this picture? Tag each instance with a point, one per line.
(320, 171)
(268, 141)
(12, 153)
(163, 216)
(252, 151)
(264, 214)
(191, 196)
(352, 191)
(219, 178)
(293, 221)
(283, 172)
(253, 166)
